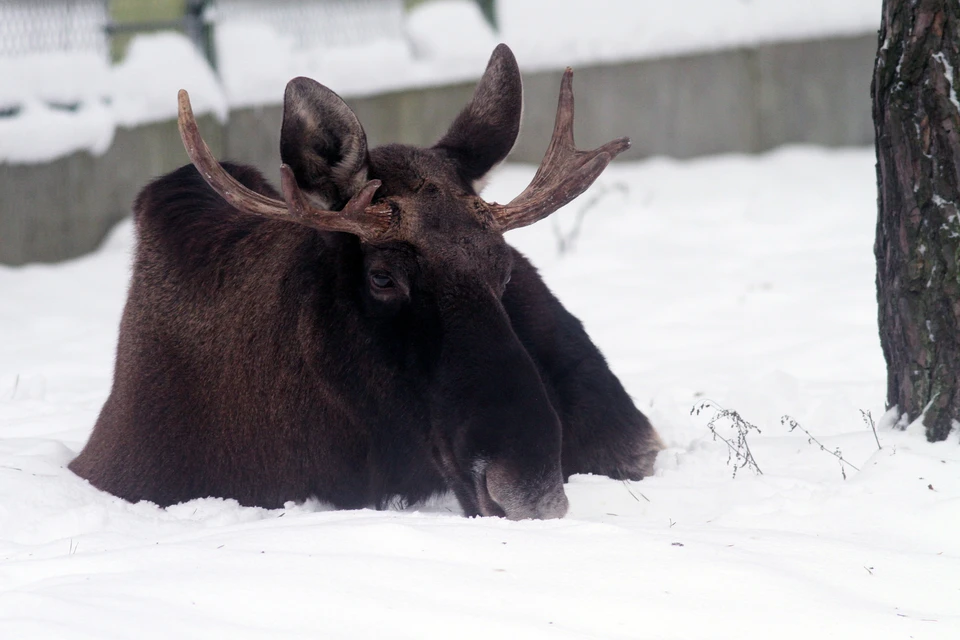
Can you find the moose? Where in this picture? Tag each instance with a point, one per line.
(366, 338)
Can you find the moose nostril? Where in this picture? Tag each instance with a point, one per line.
(541, 497)
(553, 505)
(489, 506)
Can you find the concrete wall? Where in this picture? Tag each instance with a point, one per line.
(742, 100)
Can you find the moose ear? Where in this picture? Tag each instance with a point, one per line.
(486, 129)
(323, 142)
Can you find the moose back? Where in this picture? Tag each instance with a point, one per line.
(365, 337)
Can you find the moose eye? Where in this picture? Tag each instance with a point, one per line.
(381, 281)
(504, 283)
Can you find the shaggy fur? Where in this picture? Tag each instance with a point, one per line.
(265, 361)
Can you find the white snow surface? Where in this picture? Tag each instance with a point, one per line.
(440, 42)
(449, 41)
(155, 68)
(551, 34)
(71, 101)
(746, 281)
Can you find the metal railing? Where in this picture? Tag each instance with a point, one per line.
(195, 24)
(319, 23)
(38, 26)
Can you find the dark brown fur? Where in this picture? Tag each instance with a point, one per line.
(261, 360)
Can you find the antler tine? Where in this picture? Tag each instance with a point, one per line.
(216, 176)
(565, 172)
(358, 217)
(361, 218)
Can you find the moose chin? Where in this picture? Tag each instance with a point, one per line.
(367, 336)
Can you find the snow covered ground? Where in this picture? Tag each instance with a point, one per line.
(745, 281)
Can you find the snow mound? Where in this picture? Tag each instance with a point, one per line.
(546, 34)
(156, 67)
(450, 30)
(55, 104)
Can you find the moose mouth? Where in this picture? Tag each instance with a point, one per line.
(497, 489)
(487, 505)
(499, 494)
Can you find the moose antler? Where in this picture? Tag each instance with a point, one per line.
(358, 217)
(565, 171)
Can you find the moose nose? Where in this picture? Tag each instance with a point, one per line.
(553, 505)
(542, 500)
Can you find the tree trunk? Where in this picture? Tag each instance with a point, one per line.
(916, 118)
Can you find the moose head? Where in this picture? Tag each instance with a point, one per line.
(413, 342)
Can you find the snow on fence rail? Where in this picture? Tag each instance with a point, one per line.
(59, 93)
(325, 23)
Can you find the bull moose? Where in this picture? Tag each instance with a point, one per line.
(367, 337)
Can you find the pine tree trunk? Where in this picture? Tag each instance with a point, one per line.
(916, 117)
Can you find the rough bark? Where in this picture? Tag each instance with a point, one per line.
(917, 122)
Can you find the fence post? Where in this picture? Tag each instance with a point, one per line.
(199, 30)
(489, 10)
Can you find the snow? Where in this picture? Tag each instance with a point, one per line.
(57, 105)
(57, 77)
(549, 34)
(450, 30)
(40, 133)
(256, 63)
(66, 102)
(155, 68)
(440, 42)
(949, 75)
(745, 281)
(449, 41)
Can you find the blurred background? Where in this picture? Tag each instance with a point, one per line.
(88, 87)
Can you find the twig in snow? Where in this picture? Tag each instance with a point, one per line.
(565, 241)
(868, 419)
(627, 487)
(836, 453)
(738, 451)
